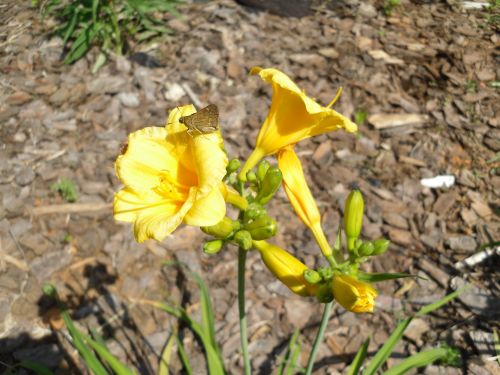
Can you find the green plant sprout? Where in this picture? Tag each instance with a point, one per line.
(66, 188)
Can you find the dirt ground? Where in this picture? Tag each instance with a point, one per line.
(425, 77)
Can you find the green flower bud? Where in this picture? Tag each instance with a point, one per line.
(49, 290)
(253, 211)
(312, 276)
(262, 228)
(366, 248)
(353, 217)
(243, 239)
(262, 169)
(324, 293)
(270, 184)
(251, 176)
(380, 246)
(232, 166)
(213, 247)
(223, 229)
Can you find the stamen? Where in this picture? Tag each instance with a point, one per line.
(337, 96)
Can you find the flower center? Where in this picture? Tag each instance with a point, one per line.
(171, 188)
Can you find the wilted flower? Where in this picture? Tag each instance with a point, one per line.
(170, 177)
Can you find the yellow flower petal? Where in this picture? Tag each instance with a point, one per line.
(170, 177)
(207, 211)
(297, 190)
(286, 268)
(353, 295)
(293, 116)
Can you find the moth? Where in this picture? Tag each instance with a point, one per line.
(205, 121)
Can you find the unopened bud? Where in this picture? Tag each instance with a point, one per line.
(270, 184)
(262, 169)
(213, 247)
(262, 228)
(312, 276)
(380, 246)
(243, 239)
(223, 228)
(324, 293)
(49, 290)
(251, 176)
(366, 249)
(253, 211)
(232, 166)
(353, 217)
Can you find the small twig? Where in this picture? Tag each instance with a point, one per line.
(71, 208)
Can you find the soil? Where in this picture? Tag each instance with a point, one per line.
(422, 81)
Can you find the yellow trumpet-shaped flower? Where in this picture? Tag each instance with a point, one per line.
(297, 190)
(286, 268)
(293, 116)
(353, 295)
(170, 177)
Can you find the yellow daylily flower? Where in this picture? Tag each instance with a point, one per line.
(170, 177)
(352, 294)
(293, 116)
(286, 268)
(297, 190)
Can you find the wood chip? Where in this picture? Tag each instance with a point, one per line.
(379, 54)
(391, 120)
(71, 208)
(412, 161)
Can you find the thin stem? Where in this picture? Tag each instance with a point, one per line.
(319, 337)
(242, 255)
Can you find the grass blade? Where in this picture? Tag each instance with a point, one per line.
(418, 360)
(288, 352)
(81, 44)
(387, 348)
(360, 357)
(79, 342)
(443, 301)
(292, 365)
(35, 367)
(183, 356)
(377, 277)
(165, 356)
(116, 365)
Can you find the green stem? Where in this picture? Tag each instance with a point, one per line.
(319, 337)
(242, 255)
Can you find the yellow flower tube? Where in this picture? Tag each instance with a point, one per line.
(297, 190)
(170, 177)
(293, 116)
(286, 268)
(353, 295)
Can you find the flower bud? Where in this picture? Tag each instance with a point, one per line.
(253, 211)
(366, 248)
(251, 176)
(353, 217)
(262, 169)
(223, 229)
(380, 246)
(352, 294)
(286, 268)
(324, 293)
(270, 184)
(243, 239)
(262, 228)
(312, 276)
(213, 247)
(49, 290)
(232, 166)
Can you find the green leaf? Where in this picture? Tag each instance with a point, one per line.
(35, 367)
(443, 301)
(165, 356)
(290, 348)
(183, 356)
(421, 359)
(71, 27)
(292, 365)
(116, 365)
(99, 62)
(79, 343)
(496, 341)
(386, 350)
(360, 357)
(377, 277)
(81, 44)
